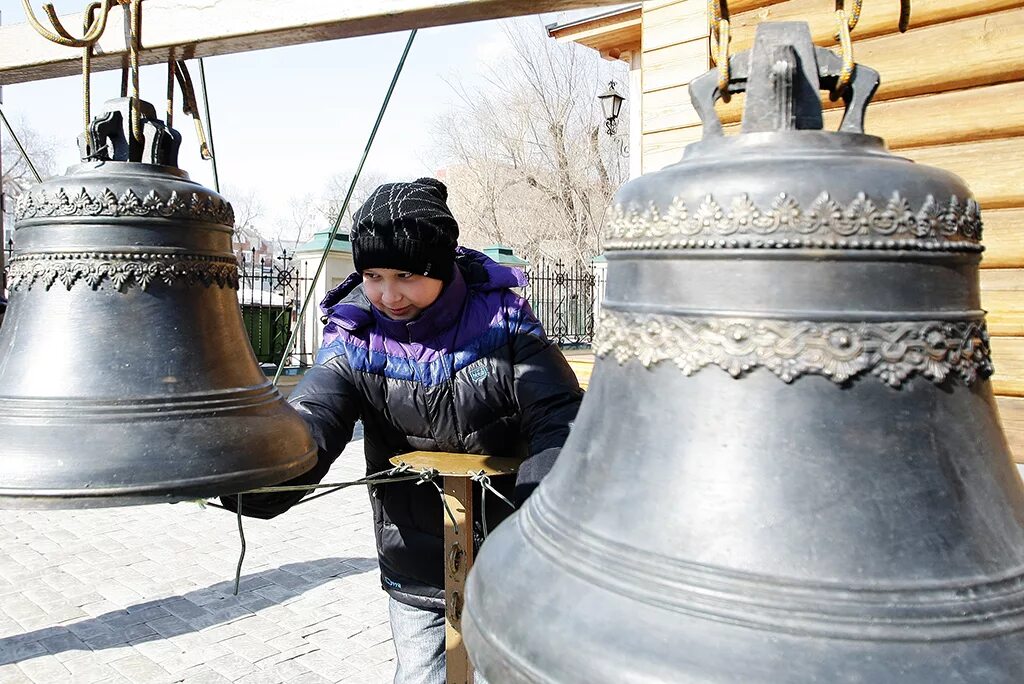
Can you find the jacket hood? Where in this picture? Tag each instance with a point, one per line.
(348, 306)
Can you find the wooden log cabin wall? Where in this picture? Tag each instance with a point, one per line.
(952, 96)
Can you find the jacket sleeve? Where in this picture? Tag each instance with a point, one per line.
(329, 404)
(548, 396)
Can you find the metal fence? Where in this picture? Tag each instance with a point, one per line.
(270, 293)
(565, 297)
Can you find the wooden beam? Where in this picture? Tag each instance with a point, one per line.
(876, 19)
(619, 31)
(967, 53)
(205, 28)
(673, 24)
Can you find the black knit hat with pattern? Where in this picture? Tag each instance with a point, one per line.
(408, 227)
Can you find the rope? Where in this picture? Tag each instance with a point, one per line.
(135, 10)
(430, 475)
(485, 483)
(853, 17)
(209, 124)
(92, 33)
(241, 535)
(88, 18)
(396, 474)
(189, 106)
(403, 472)
(904, 15)
(718, 18)
(344, 208)
(171, 74)
(92, 28)
(846, 50)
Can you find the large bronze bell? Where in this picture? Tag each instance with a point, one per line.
(125, 372)
(789, 466)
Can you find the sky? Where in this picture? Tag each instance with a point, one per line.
(285, 120)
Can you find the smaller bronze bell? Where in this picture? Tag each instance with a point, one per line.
(126, 375)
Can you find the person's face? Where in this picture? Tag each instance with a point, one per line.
(400, 295)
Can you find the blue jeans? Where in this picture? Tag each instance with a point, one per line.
(419, 644)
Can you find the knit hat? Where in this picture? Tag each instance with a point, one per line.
(406, 226)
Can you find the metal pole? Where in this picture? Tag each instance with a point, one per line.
(14, 136)
(344, 205)
(209, 124)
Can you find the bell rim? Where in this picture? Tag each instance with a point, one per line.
(169, 491)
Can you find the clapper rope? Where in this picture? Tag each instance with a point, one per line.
(484, 480)
(402, 472)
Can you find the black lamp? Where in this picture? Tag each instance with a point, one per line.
(611, 103)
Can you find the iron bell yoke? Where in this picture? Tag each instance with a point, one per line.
(126, 375)
(789, 466)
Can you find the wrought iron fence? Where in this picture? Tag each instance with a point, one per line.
(270, 294)
(565, 297)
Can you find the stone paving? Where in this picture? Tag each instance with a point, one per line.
(145, 594)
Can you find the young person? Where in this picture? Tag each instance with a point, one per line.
(429, 347)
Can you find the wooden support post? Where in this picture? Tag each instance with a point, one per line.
(458, 545)
(457, 471)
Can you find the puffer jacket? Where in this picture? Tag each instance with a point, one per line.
(474, 373)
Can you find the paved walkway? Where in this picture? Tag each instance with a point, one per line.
(144, 594)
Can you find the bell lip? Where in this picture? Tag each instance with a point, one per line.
(171, 491)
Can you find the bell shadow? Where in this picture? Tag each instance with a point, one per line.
(176, 615)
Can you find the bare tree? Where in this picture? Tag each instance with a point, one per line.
(298, 224)
(248, 208)
(529, 166)
(17, 175)
(336, 189)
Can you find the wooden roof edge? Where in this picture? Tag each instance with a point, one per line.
(611, 33)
